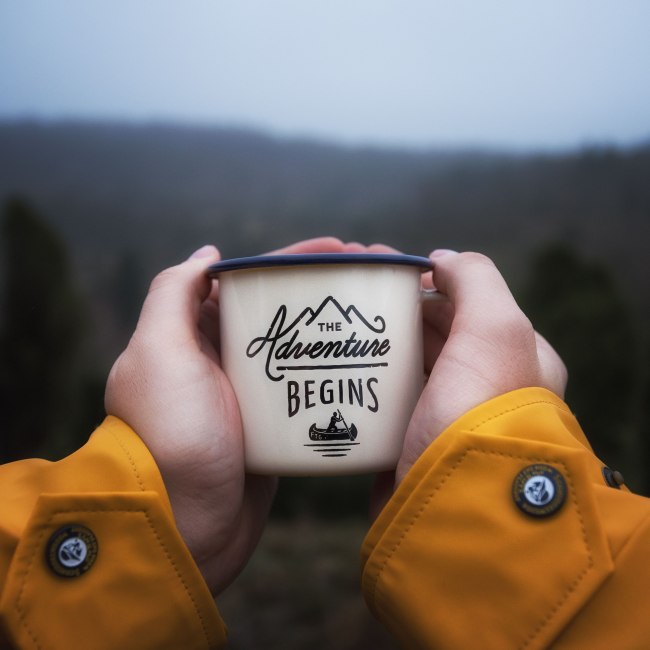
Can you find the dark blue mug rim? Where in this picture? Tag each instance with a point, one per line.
(309, 259)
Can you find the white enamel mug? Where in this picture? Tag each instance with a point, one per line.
(324, 352)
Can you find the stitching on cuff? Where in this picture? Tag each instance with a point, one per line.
(22, 614)
(516, 408)
(533, 459)
(130, 458)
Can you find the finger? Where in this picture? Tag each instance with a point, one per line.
(489, 331)
(354, 247)
(475, 287)
(486, 315)
(438, 316)
(383, 249)
(172, 307)
(316, 245)
(210, 329)
(434, 341)
(490, 349)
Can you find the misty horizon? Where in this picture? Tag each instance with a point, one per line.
(271, 134)
(508, 76)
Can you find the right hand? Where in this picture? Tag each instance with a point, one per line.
(477, 346)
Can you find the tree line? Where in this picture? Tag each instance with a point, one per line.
(51, 385)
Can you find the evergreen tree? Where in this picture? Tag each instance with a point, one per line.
(577, 306)
(40, 329)
(644, 417)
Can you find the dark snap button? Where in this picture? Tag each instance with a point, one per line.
(71, 551)
(613, 478)
(539, 490)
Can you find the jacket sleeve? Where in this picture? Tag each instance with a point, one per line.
(466, 555)
(90, 555)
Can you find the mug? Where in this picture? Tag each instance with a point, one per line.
(324, 353)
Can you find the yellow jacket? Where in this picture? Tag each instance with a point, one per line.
(469, 553)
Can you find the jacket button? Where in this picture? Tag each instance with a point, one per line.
(613, 478)
(71, 551)
(539, 490)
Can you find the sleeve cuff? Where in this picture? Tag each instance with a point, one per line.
(452, 556)
(143, 589)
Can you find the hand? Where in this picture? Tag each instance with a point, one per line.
(477, 346)
(169, 387)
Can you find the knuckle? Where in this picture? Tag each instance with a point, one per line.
(476, 259)
(521, 330)
(162, 279)
(124, 384)
(513, 329)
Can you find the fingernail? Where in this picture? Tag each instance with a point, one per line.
(204, 251)
(441, 252)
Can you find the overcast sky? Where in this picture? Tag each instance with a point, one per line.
(521, 74)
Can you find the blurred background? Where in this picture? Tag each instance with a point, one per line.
(133, 133)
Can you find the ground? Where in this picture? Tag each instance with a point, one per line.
(301, 589)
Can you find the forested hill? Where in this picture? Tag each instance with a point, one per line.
(158, 191)
(90, 212)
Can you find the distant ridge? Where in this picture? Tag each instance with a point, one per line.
(158, 191)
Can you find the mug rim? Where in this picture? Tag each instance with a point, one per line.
(310, 259)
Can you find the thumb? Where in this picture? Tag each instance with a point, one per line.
(173, 303)
(490, 350)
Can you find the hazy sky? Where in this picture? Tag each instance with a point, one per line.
(519, 73)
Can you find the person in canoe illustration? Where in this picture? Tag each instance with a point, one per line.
(333, 432)
(336, 417)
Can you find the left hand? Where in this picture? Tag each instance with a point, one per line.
(168, 385)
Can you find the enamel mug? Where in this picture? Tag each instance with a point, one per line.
(324, 352)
